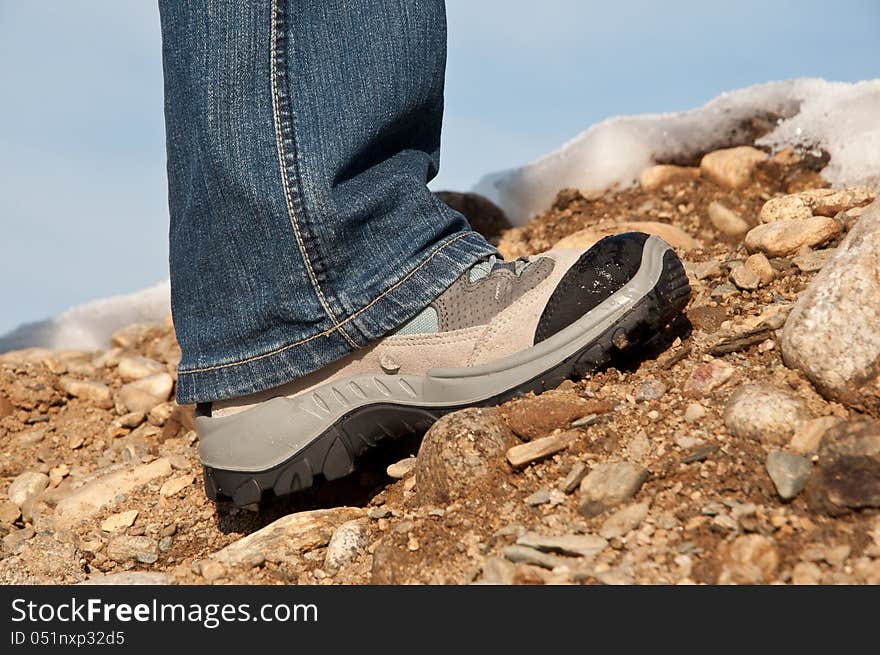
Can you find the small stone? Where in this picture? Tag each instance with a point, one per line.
(783, 238)
(808, 434)
(722, 291)
(125, 548)
(524, 555)
(836, 555)
(650, 389)
(694, 412)
(161, 413)
(211, 570)
(401, 469)
(732, 168)
(707, 377)
(536, 416)
(784, 208)
(848, 474)
(661, 175)
(745, 278)
(674, 236)
(750, 559)
(624, 521)
(573, 479)
(27, 486)
(379, 513)
(816, 202)
(135, 368)
(9, 512)
(533, 451)
(144, 394)
(95, 393)
(760, 266)
(75, 441)
(700, 454)
(130, 420)
(726, 220)
(129, 579)
(30, 437)
(347, 542)
(17, 537)
(813, 260)
(6, 407)
(540, 497)
(175, 485)
(119, 521)
(789, 472)
(610, 484)
(806, 573)
(497, 571)
(573, 545)
(763, 413)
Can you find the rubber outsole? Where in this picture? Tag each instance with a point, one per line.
(335, 452)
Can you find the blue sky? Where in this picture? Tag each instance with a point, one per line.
(83, 207)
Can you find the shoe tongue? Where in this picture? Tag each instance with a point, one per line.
(483, 268)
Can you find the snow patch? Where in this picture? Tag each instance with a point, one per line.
(838, 117)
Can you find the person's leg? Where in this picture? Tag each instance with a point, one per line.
(301, 135)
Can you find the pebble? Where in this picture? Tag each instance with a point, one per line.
(694, 412)
(30, 437)
(573, 545)
(815, 202)
(27, 486)
(18, 537)
(90, 499)
(650, 389)
(813, 260)
(783, 238)
(624, 521)
(763, 413)
(789, 472)
(732, 168)
(144, 394)
(9, 512)
(536, 416)
(707, 377)
(760, 266)
(610, 484)
(119, 521)
(808, 434)
(497, 571)
(573, 480)
(831, 334)
(749, 559)
(126, 548)
(129, 578)
(6, 407)
(533, 451)
(540, 497)
(745, 278)
(806, 573)
(848, 473)
(175, 485)
(347, 542)
(524, 555)
(211, 570)
(399, 470)
(132, 368)
(95, 393)
(726, 220)
(661, 175)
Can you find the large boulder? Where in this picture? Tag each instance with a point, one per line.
(833, 332)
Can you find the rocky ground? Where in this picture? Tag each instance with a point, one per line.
(740, 446)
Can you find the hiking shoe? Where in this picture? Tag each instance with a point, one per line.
(501, 330)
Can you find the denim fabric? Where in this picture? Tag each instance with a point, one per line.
(301, 135)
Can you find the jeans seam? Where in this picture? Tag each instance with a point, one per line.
(330, 331)
(285, 181)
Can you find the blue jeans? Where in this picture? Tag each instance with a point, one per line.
(301, 135)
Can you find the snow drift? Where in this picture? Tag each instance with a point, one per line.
(840, 118)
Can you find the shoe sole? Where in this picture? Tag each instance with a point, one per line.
(321, 433)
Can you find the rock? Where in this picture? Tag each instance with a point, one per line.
(707, 377)
(30, 437)
(694, 412)
(783, 238)
(6, 407)
(27, 486)
(129, 578)
(813, 260)
(457, 453)
(131, 335)
(750, 331)
(815, 202)
(537, 416)
(760, 266)
(806, 573)
(808, 434)
(287, 538)
(524, 555)
(674, 236)
(144, 394)
(703, 270)
(610, 484)
(789, 472)
(732, 168)
(136, 367)
(9, 512)
(347, 542)
(130, 420)
(573, 545)
(17, 537)
(726, 220)
(497, 571)
(624, 521)
(119, 521)
(831, 334)
(745, 278)
(848, 474)
(125, 548)
(763, 413)
(661, 175)
(650, 389)
(525, 454)
(94, 393)
(750, 559)
(175, 485)
(90, 499)
(211, 570)
(575, 476)
(401, 469)
(483, 215)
